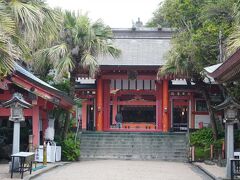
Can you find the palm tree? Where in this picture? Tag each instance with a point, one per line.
(77, 50)
(8, 50)
(233, 41)
(181, 64)
(79, 45)
(24, 23)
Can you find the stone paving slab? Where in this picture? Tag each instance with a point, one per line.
(124, 170)
(215, 171)
(120, 170)
(5, 175)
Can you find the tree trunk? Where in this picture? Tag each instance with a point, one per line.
(223, 90)
(66, 125)
(71, 94)
(211, 112)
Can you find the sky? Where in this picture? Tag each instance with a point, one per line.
(115, 13)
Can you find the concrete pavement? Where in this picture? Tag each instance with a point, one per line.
(124, 170)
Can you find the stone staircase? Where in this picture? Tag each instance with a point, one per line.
(133, 146)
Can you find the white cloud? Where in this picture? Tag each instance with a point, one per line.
(116, 13)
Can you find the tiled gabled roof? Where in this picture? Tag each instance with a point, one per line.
(144, 47)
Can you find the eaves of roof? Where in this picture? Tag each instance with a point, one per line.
(229, 70)
(38, 82)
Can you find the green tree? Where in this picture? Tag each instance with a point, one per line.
(195, 44)
(233, 41)
(24, 24)
(77, 49)
(233, 44)
(8, 49)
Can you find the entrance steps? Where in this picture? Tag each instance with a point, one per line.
(133, 146)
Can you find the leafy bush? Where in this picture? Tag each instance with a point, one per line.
(202, 139)
(201, 153)
(70, 148)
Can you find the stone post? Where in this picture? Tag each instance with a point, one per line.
(16, 142)
(17, 104)
(230, 148)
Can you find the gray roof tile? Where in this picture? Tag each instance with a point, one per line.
(139, 48)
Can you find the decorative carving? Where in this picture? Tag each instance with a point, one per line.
(132, 75)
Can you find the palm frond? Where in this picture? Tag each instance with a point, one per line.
(52, 54)
(8, 53)
(90, 63)
(28, 17)
(7, 24)
(233, 42)
(51, 28)
(65, 65)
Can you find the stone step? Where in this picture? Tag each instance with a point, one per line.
(129, 157)
(132, 147)
(138, 146)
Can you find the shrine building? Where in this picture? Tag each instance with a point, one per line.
(42, 96)
(129, 85)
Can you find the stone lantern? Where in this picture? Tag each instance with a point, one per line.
(16, 104)
(231, 113)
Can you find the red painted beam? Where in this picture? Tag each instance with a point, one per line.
(27, 85)
(99, 114)
(5, 96)
(6, 112)
(166, 109)
(106, 104)
(35, 125)
(137, 103)
(114, 113)
(200, 113)
(45, 94)
(159, 106)
(136, 92)
(125, 76)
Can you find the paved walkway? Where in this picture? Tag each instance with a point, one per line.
(5, 175)
(124, 170)
(215, 171)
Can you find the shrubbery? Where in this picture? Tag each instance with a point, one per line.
(70, 148)
(202, 139)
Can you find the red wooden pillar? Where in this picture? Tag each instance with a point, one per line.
(114, 109)
(44, 122)
(159, 124)
(106, 104)
(192, 111)
(35, 125)
(84, 115)
(99, 114)
(165, 107)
